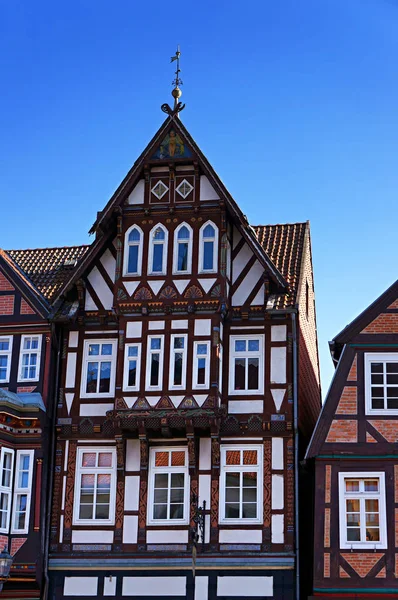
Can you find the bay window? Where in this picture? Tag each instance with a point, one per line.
(98, 369)
(168, 498)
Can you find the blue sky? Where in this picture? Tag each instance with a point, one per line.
(294, 103)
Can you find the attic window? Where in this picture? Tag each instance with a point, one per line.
(159, 190)
(184, 189)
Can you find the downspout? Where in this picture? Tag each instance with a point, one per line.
(50, 474)
(296, 451)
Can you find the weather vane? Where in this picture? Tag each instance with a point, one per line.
(176, 93)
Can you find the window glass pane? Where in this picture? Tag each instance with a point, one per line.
(176, 511)
(353, 534)
(92, 377)
(89, 459)
(202, 348)
(232, 479)
(3, 510)
(177, 495)
(155, 343)
(371, 485)
(134, 235)
(93, 350)
(249, 510)
(158, 234)
(20, 511)
(157, 263)
(252, 383)
(177, 380)
(105, 378)
(132, 266)
(179, 342)
(161, 460)
(201, 371)
(160, 511)
(232, 494)
(106, 349)
(231, 511)
(254, 345)
(177, 480)
(208, 231)
(353, 505)
(249, 494)
(233, 457)
(154, 369)
(4, 345)
(351, 485)
(240, 345)
(105, 459)
(182, 259)
(132, 378)
(249, 457)
(392, 367)
(161, 480)
(183, 233)
(133, 351)
(372, 534)
(376, 367)
(160, 496)
(26, 344)
(208, 253)
(178, 459)
(35, 343)
(33, 359)
(240, 374)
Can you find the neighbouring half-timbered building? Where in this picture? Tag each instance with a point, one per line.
(189, 383)
(354, 455)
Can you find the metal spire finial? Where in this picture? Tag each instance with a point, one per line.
(176, 93)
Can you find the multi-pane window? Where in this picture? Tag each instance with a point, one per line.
(29, 358)
(154, 362)
(22, 491)
(208, 248)
(98, 373)
(5, 358)
(241, 484)
(95, 486)
(6, 474)
(246, 364)
(168, 486)
(132, 364)
(157, 250)
(362, 510)
(133, 251)
(178, 361)
(381, 372)
(182, 249)
(201, 365)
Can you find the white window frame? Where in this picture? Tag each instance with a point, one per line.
(149, 353)
(127, 358)
(176, 248)
(80, 470)
(35, 351)
(201, 252)
(184, 352)
(7, 353)
(165, 248)
(151, 485)
(127, 245)
(86, 359)
(7, 490)
(381, 495)
(233, 354)
(383, 357)
(19, 491)
(224, 469)
(196, 357)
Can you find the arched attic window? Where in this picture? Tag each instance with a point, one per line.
(133, 251)
(182, 258)
(157, 259)
(208, 248)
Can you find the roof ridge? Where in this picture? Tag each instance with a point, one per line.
(280, 224)
(48, 248)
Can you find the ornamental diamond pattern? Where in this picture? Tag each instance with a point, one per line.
(159, 190)
(184, 189)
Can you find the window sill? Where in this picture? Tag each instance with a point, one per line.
(240, 522)
(94, 523)
(370, 546)
(168, 523)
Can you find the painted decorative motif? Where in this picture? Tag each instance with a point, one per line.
(121, 295)
(164, 402)
(172, 146)
(223, 257)
(120, 444)
(194, 492)
(215, 452)
(119, 505)
(142, 507)
(216, 291)
(121, 404)
(143, 294)
(193, 292)
(141, 404)
(290, 486)
(143, 453)
(56, 492)
(189, 402)
(267, 486)
(168, 292)
(214, 505)
(70, 486)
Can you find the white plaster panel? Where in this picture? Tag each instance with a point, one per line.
(200, 398)
(240, 261)
(247, 285)
(130, 529)
(207, 283)
(71, 370)
(204, 454)
(236, 237)
(69, 399)
(137, 195)
(92, 536)
(154, 586)
(109, 263)
(95, 410)
(134, 329)
(61, 529)
(176, 400)
(130, 400)
(110, 586)
(207, 530)
(204, 489)
(179, 324)
(130, 286)
(89, 303)
(259, 298)
(132, 455)
(203, 327)
(240, 536)
(167, 536)
(278, 396)
(207, 191)
(181, 284)
(101, 288)
(201, 588)
(156, 285)
(131, 492)
(277, 492)
(278, 333)
(244, 407)
(156, 325)
(80, 586)
(277, 453)
(246, 586)
(277, 532)
(278, 365)
(73, 339)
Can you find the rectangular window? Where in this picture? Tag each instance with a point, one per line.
(201, 365)
(178, 362)
(5, 358)
(22, 491)
(29, 358)
(132, 367)
(98, 370)
(241, 484)
(95, 486)
(246, 372)
(154, 362)
(168, 500)
(381, 389)
(6, 476)
(362, 510)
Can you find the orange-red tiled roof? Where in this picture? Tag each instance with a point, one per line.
(48, 268)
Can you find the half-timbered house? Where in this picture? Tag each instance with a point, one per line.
(189, 380)
(354, 454)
